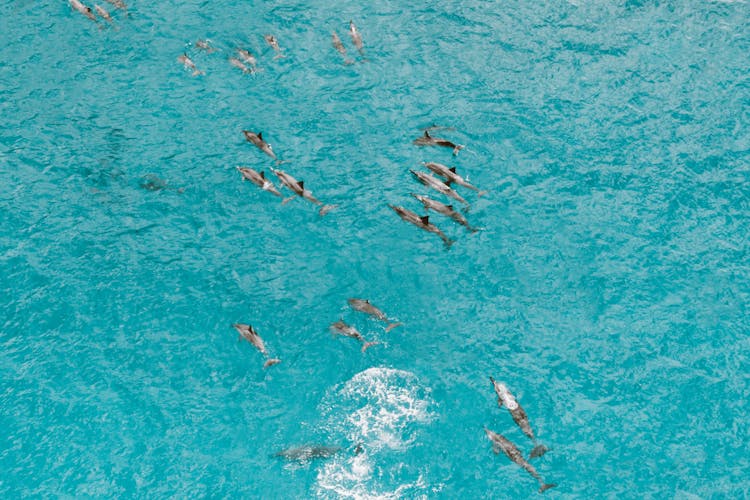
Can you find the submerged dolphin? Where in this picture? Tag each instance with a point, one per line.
(248, 333)
(298, 187)
(500, 443)
(259, 142)
(259, 179)
(447, 210)
(102, 12)
(119, 4)
(240, 65)
(342, 328)
(367, 308)
(205, 45)
(428, 140)
(309, 452)
(421, 222)
(505, 398)
(340, 47)
(438, 185)
(449, 173)
(189, 64)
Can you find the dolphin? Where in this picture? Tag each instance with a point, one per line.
(298, 187)
(499, 443)
(239, 65)
(271, 40)
(119, 4)
(421, 222)
(504, 397)
(447, 210)
(86, 11)
(356, 37)
(258, 140)
(247, 57)
(248, 333)
(259, 179)
(438, 185)
(367, 308)
(102, 12)
(189, 64)
(340, 47)
(309, 452)
(428, 140)
(205, 45)
(349, 331)
(449, 173)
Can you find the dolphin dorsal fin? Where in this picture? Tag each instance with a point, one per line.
(260, 135)
(262, 174)
(301, 185)
(448, 182)
(425, 219)
(450, 207)
(427, 134)
(452, 169)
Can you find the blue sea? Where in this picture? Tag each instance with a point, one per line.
(608, 287)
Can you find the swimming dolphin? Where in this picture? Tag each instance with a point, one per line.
(205, 45)
(428, 140)
(342, 328)
(447, 210)
(505, 398)
(298, 187)
(309, 452)
(367, 308)
(438, 185)
(421, 222)
(102, 12)
(258, 140)
(248, 333)
(86, 11)
(259, 179)
(340, 47)
(189, 64)
(247, 57)
(119, 4)
(449, 173)
(356, 37)
(240, 65)
(271, 40)
(499, 443)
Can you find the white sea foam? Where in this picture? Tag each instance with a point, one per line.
(381, 409)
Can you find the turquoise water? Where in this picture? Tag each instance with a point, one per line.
(608, 288)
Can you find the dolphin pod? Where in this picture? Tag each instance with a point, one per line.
(246, 62)
(505, 398)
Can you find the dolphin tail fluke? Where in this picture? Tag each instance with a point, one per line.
(367, 345)
(287, 200)
(271, 362)
(391, 326)
(481, 193)
(448, 242)
(325, 209)
(457, 149)
(198, 72)
(546, 486)
(538, 451)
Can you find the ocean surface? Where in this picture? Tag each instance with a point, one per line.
(608, 287)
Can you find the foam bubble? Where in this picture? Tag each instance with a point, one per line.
(381, 409)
